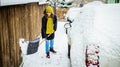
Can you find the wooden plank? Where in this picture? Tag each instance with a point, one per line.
(11, 34)
(4, 37)
(1, 40)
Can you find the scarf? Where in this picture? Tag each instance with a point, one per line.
(49, 27)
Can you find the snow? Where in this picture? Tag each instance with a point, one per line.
(14, 2)
(72, 13)
(60, 59)
(65, 0)
(97, 23)
(42, 2)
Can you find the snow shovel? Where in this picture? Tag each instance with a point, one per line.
(33, 45)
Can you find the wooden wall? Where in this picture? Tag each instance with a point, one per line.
(18, 21)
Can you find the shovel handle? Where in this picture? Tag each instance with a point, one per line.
(44, 39)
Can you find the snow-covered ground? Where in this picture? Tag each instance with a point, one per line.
(98, 24)
(95, 23)
(60, 59)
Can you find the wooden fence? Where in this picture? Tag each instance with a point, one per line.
(60, 13)
(18, 21)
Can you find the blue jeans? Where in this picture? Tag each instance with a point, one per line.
(49, 42)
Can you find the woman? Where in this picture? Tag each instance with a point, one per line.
(49, 26)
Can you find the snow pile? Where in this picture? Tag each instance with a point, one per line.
(72, 13)
(23, 45)
(107, 23)
(98, 24)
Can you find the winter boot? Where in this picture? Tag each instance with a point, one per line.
(48, 55)
(52, 50)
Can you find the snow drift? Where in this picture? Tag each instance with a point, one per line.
(96, 23)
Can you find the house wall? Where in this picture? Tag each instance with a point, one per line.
(18, 21)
